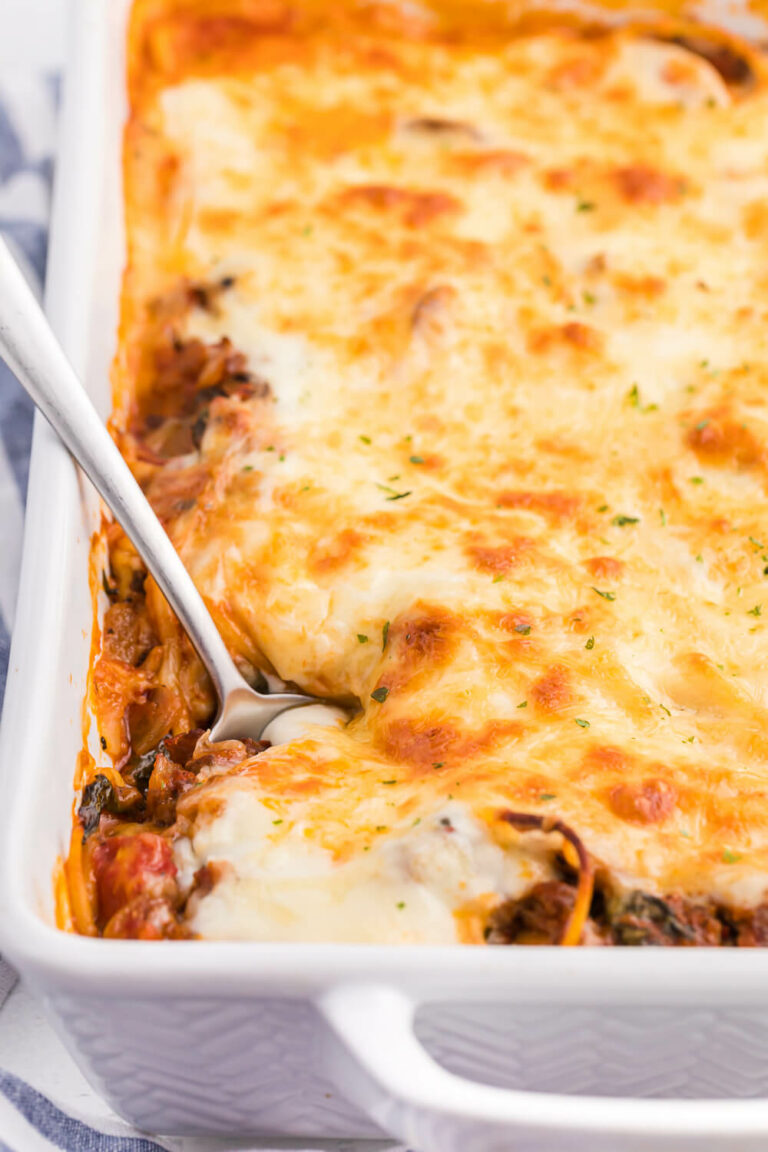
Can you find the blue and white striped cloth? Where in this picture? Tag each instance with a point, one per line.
(44, 1102)
(27, 119)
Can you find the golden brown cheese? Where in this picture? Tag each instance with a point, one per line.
(503, 481)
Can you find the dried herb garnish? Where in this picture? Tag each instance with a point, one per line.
(393, 494)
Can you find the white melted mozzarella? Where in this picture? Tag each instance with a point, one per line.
(276, 885)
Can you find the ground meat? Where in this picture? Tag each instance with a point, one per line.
(128, 631)
(539, 917)
(747, 929)
(167, 782)
(226, 754)
(180, 749)
(634, 919)
(146, 918)
(169, 418)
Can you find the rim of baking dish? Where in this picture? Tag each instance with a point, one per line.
(50, 957)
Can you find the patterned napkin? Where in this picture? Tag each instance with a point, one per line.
(27, 120)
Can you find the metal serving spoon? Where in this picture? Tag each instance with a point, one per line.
(31, 350)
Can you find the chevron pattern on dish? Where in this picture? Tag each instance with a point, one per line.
(191, 1066)
(214, 1066)
(650, 1052)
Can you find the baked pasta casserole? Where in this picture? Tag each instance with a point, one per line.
(443, 359)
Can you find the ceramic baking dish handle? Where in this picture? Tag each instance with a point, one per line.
(377, 1061)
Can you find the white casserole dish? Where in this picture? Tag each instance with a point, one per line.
(576, 1049)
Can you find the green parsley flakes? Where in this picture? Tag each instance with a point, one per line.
(380, 694)
(730, 857)
(393, 495)
(634, 398)
(605, 595)
(362, 638)
(622, 521)
(590, 644)
(384, 635)
(582, 723)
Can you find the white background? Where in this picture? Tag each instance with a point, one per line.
(32, 33)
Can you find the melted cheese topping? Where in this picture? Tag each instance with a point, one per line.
(508, 489)
(406, 889)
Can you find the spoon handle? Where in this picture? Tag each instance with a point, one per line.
(31, 350)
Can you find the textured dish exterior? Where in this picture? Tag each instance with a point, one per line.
(201, 1065)
(194, 1065)
(194, 1040)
